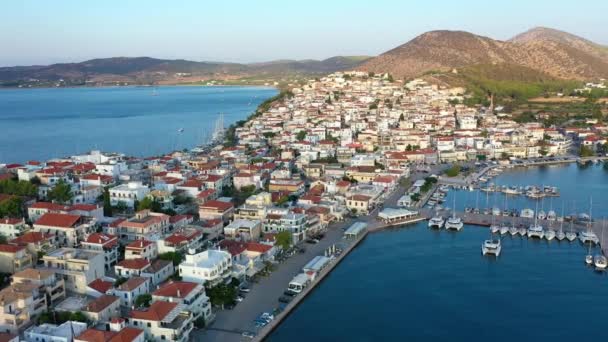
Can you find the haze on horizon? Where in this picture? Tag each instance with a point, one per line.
(46, 32)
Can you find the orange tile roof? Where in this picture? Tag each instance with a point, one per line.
(6, 248)
(176, 289)
(134, 264)
(101, 303)
(58, 220)
(100, 285)
(156, 312)
(132, 283)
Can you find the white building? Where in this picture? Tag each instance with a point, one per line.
(212, 266)
(55, 333)
(128, 193)
(78, 267)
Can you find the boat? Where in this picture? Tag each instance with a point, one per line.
(491, 247)
(436, 222)
(571, 235)
(549, 234)
(560, 233)
(588, 236)
(511, 191)
(454, 222)
(522, 231)
(551, 215)
(589, 259)
(541, 215)
(181, 130)
(527, 213)
(504, 230)
(494, 228)
(513, 231)
(600, 262)
(496, 211)
(536, 230)
(535, 194)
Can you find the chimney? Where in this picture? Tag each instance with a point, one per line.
(179, 293)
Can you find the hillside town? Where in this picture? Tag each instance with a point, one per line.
(108, 247)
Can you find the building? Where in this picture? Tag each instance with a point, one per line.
(163, 321)
(102, 309)
(12, 227)
(128, 193)
(47, 281)
(215, 209)
(360, 204)
(295, 223)
(131, 267)
(14, 258)
(36, 243)
(244, 230)
(20, 304)
(182, 240)
(55, 333)
(190, 294)
(122, 334)
(211, 266)
(77, 267)
(144, 225)
(70, 230)
(131, 289)
(106, 243)
(139, 249)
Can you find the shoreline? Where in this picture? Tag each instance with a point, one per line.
(147, 86)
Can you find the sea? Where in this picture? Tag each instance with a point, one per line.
(415, 284)
(38, 124)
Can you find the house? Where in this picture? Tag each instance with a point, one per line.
(144, 225)
(293, 186)
(159, 271)
(360, 204)
(88, 210)
(12, 227)
(46, 280)
(244, 230)
(190, 294)
(128, 193)
(106, 243)
(192, 187)
(37, 209)
(211, 266)
(131, 289)
(122, 334)
(162, 321)
(70, 230)
(131, 267)
(141, 249)
(181, 240)
(55, 333)
(216, 209)
(99, 287)
(36, 243)
(19, 304)
(78, 267)
(7, 337)
(102, 309)
(295, 223)
(14, 258)
(180, 221)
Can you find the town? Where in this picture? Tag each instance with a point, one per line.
(108, 247)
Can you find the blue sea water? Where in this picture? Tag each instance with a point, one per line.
(416, 284)
(55, 122)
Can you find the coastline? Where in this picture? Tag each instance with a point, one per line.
(248, 85)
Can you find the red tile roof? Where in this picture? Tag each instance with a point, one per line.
(100, 285)
(6, 248)
(31, 237)
(156, 312)
(101, 303)
(11, 221)
(176, 289)
(218, 205)
(58, 220)
(134, 264)
(49, 206)
(84, 207)
(127, 334)
(132, 283)
(139, 244)
(106, 240)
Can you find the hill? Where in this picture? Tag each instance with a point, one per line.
(146, 70)
(553, 53)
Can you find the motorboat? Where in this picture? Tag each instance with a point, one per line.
(600, 262)
(511, 191)
(492, 247)
(436, 222)
(549, 234)
(589, 259)
(536, 230)
(527, 213)
(588, 236)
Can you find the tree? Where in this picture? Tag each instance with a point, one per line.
(269, 135)
(222, 294)
(283, 239)
(504, 155)
(586, 151)
(143, 300)
(174, 257)
(121, 206)
(19, 188)
(149, 203)
(453, 171)
(301, 135)
(11, 207)
(107, 205)
(543, 152)
(61, 192)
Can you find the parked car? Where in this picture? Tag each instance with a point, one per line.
(248, 334)
(285, 299)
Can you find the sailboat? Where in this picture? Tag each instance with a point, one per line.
(560, 234)
(436, 221)
(589, 235)
(536, 230)
(600, 261)
(513, 230)
(504, 229)
(491, 246)
(589, 257)
(454, 222)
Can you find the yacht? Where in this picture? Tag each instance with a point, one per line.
(571, 235)
(536, 230)
(511, 191)
(560, 235)
(541, 215)
(589, 259)
(496, 211)
(522, 231)
(549, 234)
(491, 247)
(600, 262)
(588, 236)
(454, 222)
(436, 222)
(551, 215)
(504, 230)
(494, 228)
(513, 230)
(527, 213)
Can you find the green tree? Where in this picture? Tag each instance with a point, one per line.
(174, 257)
(19, 188)
(586, 151)
(283, 239)
(61, 193)
(222, 294)
(143, 300)
(121, 206)
(12, 207)
(453, 171)
(301, 135)
(149, 203)
(107, 205)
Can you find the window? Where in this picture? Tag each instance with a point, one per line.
(149, 325)
(162, 337)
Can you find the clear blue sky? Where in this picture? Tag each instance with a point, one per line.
(42, 32)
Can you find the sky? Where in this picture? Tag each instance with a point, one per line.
(45, 32)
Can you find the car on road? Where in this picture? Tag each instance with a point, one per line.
(245, 289)
(239, 299)
(285, 299)
(289, 293)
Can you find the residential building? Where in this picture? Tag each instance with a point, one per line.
(102, 309)
(244, 230)
(211, 266)
(216, 209)
(144, 225)
(139, 249)
(12, 227)
(55, 333)
(77, 267)
(70, 230)
(47, 281)
(106, 243)
(14, 258)
(190, 294)
(128, 193)
(131, 289)
(163, 321)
